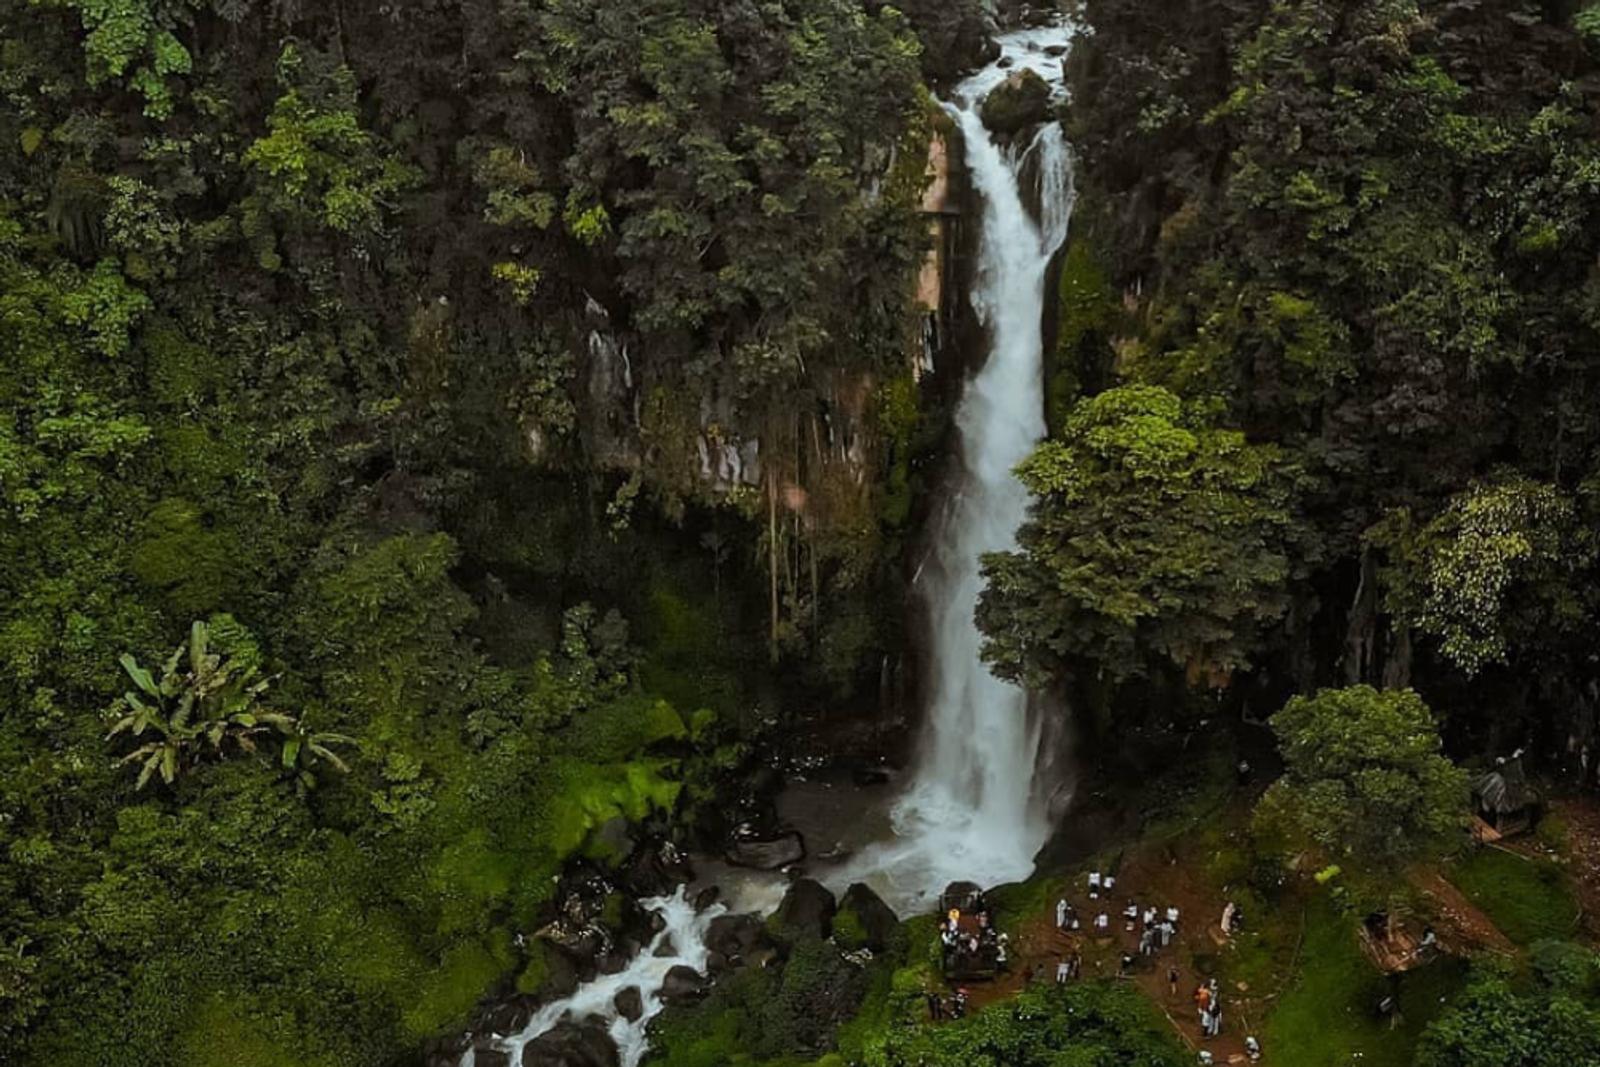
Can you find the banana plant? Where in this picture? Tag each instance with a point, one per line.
(204, 703)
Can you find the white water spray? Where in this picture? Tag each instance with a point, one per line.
(976, 808)
(684, 930)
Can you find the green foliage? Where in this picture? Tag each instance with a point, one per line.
(1363, 229)
(1364, 776)
(1156, 538)
(257, 363)
(1090, 1022)
(769, 1015)
(1499, 1021)
(205, 702)
(318, 165)
(1527, 899)
(1492, 572)
(1327, 1014)
(133, 40)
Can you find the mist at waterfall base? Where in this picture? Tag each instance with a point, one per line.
(976, 806)
(975, 809)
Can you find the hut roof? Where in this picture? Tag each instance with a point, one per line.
(1504, 789)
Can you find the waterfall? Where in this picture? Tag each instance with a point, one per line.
(976, 806)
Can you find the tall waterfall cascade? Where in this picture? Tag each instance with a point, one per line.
(976, 806)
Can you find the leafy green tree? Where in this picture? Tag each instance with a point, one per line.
(1364, 776)
(1497, 1020)
(1497, 571)
(1156, 538)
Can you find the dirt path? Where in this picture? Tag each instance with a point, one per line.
(1462, 927)
(1149, 877)
(1582, 816)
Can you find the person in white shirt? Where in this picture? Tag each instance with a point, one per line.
(1061, 914)
(1094, 885)
(1102, 921)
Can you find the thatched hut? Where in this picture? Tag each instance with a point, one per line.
(1505, 800)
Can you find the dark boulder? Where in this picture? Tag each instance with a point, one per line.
(666, 949)
(560, 974)
(962, 895)
(682, 983)
(492, 1057)
(1022, 100)
(767, 854)
(446, 1051)
(655, 868)
(736, 937)
(570, 1044)
(611, 963)
(706, 897)
(509, 1016)
(866, 916)
(807, 910)
(629, 1003)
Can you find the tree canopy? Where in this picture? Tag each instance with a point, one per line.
(1364, 776)
(1156, 538)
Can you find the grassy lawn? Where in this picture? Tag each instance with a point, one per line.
(1326, 1017)
(1527, 899)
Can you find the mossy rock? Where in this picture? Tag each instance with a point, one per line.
(1022, 100)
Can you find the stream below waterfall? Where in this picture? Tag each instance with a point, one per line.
(977, 803)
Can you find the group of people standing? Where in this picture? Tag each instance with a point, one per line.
(970, 942)
(1157, 928)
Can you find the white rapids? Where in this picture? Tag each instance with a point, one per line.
(976, 806)
(685, 931)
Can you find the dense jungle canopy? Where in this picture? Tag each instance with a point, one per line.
(446, 441)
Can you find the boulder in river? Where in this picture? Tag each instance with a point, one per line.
(1022, 100)
(807, 910)
(571, 1044)
(868, 919)
(629, 1003)
(559, 977)
(682, 983)
(737, 937)
(509, 1016)
(767, 854)
(654, 868)
(706, 897)
(492, 1057)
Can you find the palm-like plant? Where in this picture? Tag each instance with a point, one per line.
(203, 704)
(303, 749)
